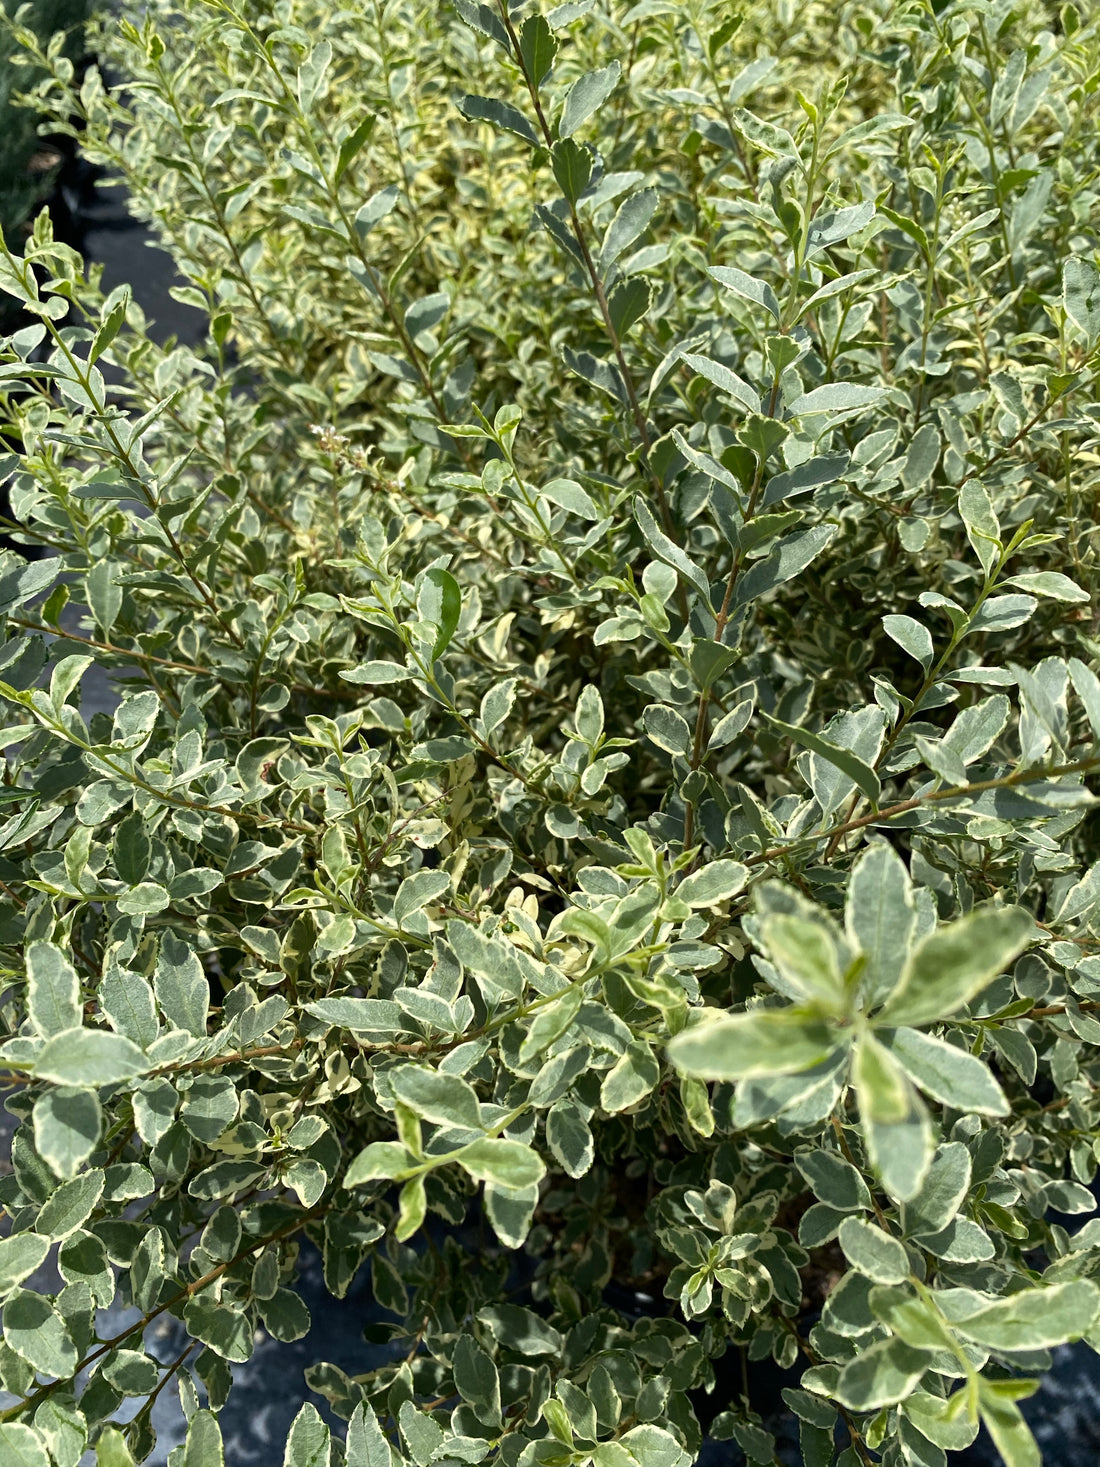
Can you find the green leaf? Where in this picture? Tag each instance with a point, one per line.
(949, 1074)
(375, 209)
(666, 550)
(726, 30)
(66, 1129)
(445, 1100)
(70, 1206)
(439, 603)
(726, 379)
(22, 582)
(569, 1138)
(628, 303)
(307, 1443)
(21, 1446)
(766, 136)
(485, 20)
(227, 1331)
(895, 1124)
(377, 674)
(788, 558)
(834, 1180)
(631, 1078)
(361, 1015)
(521, 1330)
(839, 286)
(764, 527)
(1002, 613)
(921, 457)
(104, 594)
(426, 313)
(862, 775)
(416, 892)
(127, 1000)
(89, 1058)
(1049, 583)
(551, 1023)
(1035, 1319)
(144, 900)
(731, 725)
(380, 1160)
(941, 1421)
(366, 1443)
(477, 1379)
(204, 1446)
(806, 956)
(311, 74)
(209, 1106)
(631, 220)
(600, 372)
(557, 1419)
(20, 1255)
(567, 494)
(982, 528)
(354, 143)
(880, 918)
(874, 1253)
(1081, 297)
(182, 990)
(111, 1449)
(566, 13)
(499, 114)
(668, 729)
(423, 1435)
(652, 1446)
(36, 1332)
(709, 660)
(154, 1104)
(511, 1211)
(835, 397)
(977, 728)
(1007, 1428)
(1087, 687)
(834, 225)
(53, 990)
(747, 287)
(954, 963)
(412, 1205)
(586, 96)
(912, 637)
(907, 226)
(572, 165)
(760, 1042)
(508, 1163)
(64, 1430)
(537, 47)
(555, 225)
(131, 1372)
(716, 882)
(881, 1375)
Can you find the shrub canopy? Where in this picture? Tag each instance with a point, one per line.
(24, 179)
(607, 658)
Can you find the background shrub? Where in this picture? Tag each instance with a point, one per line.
(22, 185)
(606, 637)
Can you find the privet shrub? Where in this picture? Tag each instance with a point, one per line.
(22, 182)
(604, 634)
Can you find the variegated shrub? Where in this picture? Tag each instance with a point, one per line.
(602, 788)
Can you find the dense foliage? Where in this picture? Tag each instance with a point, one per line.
(25, 167)
(608, 663)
